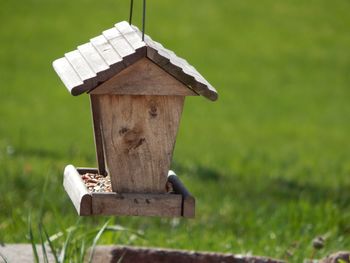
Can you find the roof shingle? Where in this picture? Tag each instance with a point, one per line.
(106, 55)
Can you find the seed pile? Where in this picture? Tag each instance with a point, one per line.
(96, 183)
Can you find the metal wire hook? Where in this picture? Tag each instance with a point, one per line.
(143, 20)
(131, 9)
(143, 16)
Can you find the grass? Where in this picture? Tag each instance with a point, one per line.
(74, 244)
(269, 163)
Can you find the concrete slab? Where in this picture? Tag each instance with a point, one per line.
(22, 253)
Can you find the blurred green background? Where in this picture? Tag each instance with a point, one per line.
(269, 162)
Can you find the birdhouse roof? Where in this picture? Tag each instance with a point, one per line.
(117, 48)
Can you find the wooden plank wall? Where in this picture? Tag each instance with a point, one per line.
(139, 134)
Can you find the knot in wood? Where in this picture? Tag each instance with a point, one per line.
(153, 110)
(123, 130)
(132, 138)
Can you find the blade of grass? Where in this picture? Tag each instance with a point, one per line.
(114, 228)
(70, 231)
(56, 236)
(121, 257)
(97, 237)
(53, 251)
(42, 200)
(121, 228)
(60, 234)
(74, 252)
(31, 239)
(43, 247)
(82, 252)
(64, 248)
(3, 258)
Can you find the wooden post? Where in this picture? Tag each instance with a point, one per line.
(95, 110)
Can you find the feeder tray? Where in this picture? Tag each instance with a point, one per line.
(137, 90)
(179, 203)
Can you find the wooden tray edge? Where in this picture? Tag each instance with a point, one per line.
(179, 204)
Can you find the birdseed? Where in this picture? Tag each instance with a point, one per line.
(97, 183)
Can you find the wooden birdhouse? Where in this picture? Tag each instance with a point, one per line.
(137, 90)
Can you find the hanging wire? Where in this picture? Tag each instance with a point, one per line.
(131, 9)
(143, 17)
(144, 20)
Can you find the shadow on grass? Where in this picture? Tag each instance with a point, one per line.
(287, 189)
(40, 153)
(52, 154)
(276, 189)
(198, 171)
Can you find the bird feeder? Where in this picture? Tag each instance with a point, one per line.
(137, 90)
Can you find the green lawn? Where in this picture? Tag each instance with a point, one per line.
(269, 162)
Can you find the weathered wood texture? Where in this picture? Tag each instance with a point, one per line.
(84, 170)
(114, 254)
(124, 48)
(78, 193)
(131, 204)
(96, 120)
(143, 78)
(69, 76)
(95, 61)
(81, 66)
(166, 205)
(23, 253)
(179, 68)
(139, 134)
(117, 48)
(107, 53)
(188, 201)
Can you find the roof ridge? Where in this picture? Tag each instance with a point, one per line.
(118, 40)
